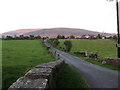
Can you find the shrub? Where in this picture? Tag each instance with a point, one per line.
(56, 42)
(68, 45)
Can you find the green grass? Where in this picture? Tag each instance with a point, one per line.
(70, 78)
(105, 48)
(19, 56)
(110, 66)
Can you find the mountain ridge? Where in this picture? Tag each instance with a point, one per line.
(53, 32)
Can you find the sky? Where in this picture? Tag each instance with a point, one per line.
(94, 15)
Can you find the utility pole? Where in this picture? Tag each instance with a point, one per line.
(118, 31)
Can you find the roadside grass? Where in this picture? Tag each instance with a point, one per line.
(19, 56)
(110, 66)
(70, 78)
(105, 48)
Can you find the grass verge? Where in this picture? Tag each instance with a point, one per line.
(70, 78)
(110, 66)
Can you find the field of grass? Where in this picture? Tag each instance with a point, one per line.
(105, 48)
(70, 78)
(19, 56)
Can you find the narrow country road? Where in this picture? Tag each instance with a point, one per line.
(96, 76)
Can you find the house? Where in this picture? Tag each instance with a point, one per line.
(78, 36)
(87, 36)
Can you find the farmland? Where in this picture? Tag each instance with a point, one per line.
(19, 56)
(105, 48)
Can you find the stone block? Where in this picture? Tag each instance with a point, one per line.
(25, 82)
(36, 73)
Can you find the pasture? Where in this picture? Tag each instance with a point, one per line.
(19, 56)
(105, 48)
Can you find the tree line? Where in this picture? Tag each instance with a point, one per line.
(67, 43)
(21, 37)
(99, 36)
(32, 37)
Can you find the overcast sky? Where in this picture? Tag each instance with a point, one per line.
(95, 15)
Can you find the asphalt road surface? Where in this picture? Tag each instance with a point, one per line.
(95, 76)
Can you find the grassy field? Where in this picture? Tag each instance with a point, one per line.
(19, 56)
(105, 48)
(70, 78)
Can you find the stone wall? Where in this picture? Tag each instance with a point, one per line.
(114, 61)
(40, 77)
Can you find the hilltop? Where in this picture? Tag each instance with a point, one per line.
(53, 32)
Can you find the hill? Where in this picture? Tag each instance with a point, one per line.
(18, 32)
(53, 32)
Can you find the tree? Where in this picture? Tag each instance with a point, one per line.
(68, 45)
(72, 37)
(32, 37)
(60, 37)
(21, 36)
(38, 37)
(26, 37)
(99, 36)
(83, 37)
(92, 37)
(9, 37)
(115, 37)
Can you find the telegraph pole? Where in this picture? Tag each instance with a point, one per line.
(118, 31)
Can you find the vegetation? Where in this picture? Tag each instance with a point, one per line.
(70, 78)
(60, 37)
(68, 45)
(72, 37)
(19, 56)
(110, 66)
(21, 37)
(56, 42)
(98, 62)
(99, 36)
(105, 48)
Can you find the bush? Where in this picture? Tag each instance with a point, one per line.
(56, 42)
(68, 45)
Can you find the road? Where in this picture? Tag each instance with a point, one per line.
(95, 76)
